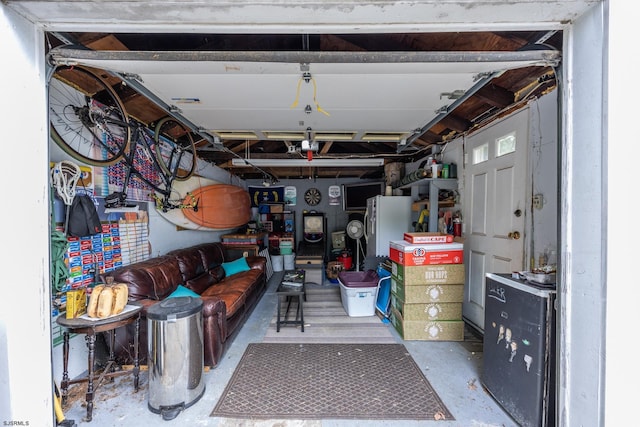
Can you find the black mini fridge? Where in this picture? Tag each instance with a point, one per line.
(519, 348)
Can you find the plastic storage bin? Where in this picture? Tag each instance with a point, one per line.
(289, 262)
(359, 290)
(277, 262)
(176, 355)
(286, 247)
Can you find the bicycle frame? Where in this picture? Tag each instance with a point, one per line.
(140, 137)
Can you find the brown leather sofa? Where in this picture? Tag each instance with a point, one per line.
(227, 300)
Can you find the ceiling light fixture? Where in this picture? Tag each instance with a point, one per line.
(284, 135)
(334, 136)
(383, 136)
(235, 134)
(351, 162)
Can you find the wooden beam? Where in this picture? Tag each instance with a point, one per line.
(326, 147)
(456, 123)
(241, 146)
(495, 96)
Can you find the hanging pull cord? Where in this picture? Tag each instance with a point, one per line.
(315, 91)
(295, 101)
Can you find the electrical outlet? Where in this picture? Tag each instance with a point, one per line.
(537, 201)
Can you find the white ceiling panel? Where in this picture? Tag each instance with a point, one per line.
(263, 95)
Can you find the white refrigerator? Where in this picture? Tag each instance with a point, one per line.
(386, 218)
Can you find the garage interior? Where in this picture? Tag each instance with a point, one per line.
(58, 19)
(387, 100)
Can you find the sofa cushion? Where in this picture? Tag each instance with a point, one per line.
(154, 278)
(200, 283)
(234, 267)
(243, 281)
(181, 291)
(190, 262)
(217, 273)
(212, 254)
(257, 262)
(233, 299)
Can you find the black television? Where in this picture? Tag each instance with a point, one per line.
(355, 195)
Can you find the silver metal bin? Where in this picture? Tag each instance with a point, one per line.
(176, 355)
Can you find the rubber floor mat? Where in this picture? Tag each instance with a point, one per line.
(329, 381)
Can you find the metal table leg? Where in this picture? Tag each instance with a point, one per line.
(278, 320)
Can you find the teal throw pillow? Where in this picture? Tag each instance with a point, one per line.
(237, 266)
(181, 291)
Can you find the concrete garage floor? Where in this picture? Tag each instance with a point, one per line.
(452, 369)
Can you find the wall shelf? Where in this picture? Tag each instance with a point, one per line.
(433, 185)
(418, 205)
(281, 224)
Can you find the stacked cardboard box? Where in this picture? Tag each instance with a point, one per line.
(427, 289)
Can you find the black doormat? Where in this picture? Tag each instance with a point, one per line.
(329, 381)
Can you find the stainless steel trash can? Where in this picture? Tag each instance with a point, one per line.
(176, 355)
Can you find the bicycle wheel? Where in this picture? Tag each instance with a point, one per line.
(175, 148)
(87, 119)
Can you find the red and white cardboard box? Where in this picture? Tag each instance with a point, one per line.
(408, 254)
(428, 237)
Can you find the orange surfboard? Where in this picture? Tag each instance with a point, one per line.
(179, 191)
(220, 206)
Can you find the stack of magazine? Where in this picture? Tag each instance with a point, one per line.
(293, 278)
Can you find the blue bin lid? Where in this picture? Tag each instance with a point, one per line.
(174, 308)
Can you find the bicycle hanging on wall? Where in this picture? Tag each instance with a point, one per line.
(90, 123)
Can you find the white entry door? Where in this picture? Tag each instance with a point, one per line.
(495, 176)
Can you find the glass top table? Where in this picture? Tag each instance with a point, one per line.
(292, 286)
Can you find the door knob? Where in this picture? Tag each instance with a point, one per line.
(515, 235)
(517, 213)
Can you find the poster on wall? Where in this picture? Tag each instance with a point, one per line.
(334, 195)
(290, 195)
(261, 195)
(137, 189)
(86, 178)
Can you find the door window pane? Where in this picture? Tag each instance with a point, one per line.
(481, 153)
(506, 144)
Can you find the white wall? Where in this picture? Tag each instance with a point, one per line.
(26, 392)
(620, 173)
(583, 209)
(543, 161)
